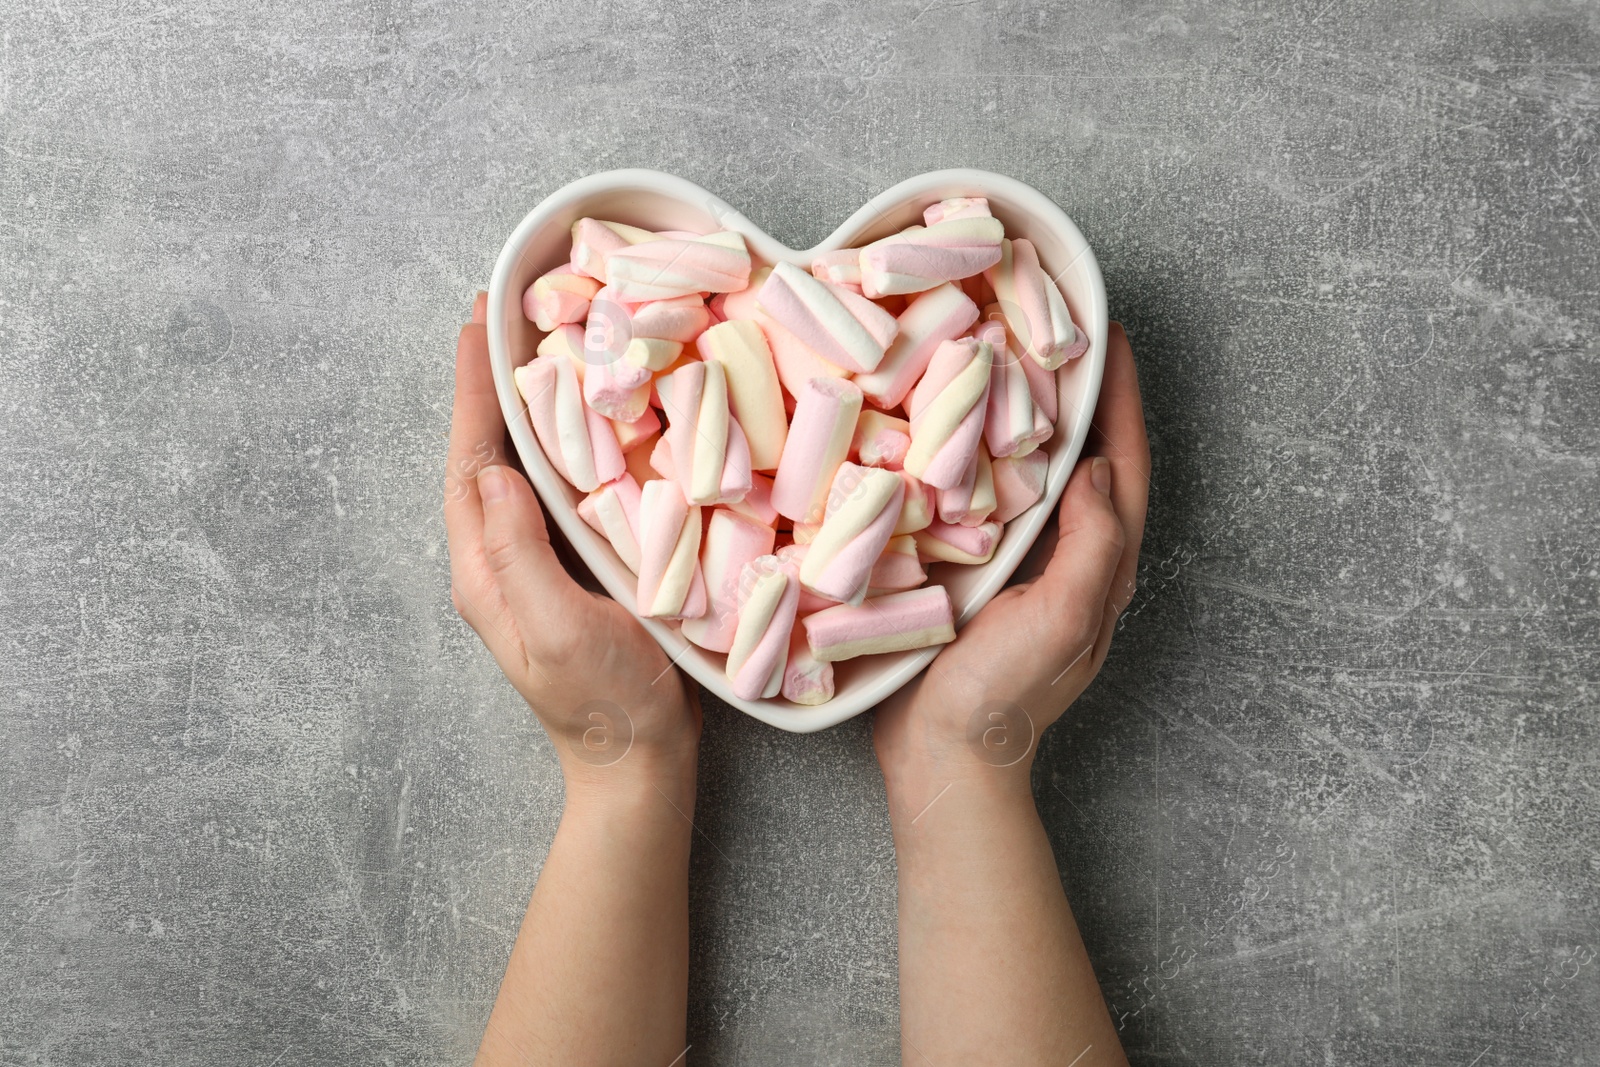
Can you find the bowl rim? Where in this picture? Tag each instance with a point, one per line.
(939, 184)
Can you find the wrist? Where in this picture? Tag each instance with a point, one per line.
(632, 767)
(993, 747)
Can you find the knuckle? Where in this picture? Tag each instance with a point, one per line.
(502, 551)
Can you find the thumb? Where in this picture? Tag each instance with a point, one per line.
(1072, 591)
(516, 544)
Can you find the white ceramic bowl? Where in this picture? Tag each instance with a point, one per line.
(660, 201)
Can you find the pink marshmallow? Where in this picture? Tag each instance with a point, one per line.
(953, 543)
(709, 451)
(671, 585)
(921, 257)
(594, 241)
(559, 297)
(1035, 311)
(947, 410)
(1013, 422)
(819, 440)
(1018, 484)
(897, 622)
(680, 319)
(917, 511)
(673, 267)
(769, 595)
(630, 435)
(578, 442)
(941, 314)
(613, 385)
(840, 326)
(881, 440)
(729, 543)
(757, 503)
(971, 502)
(898, 568)
(796, 364)
(863, 508)
(841, 267)
(613, 511)
(806, 679)
(959, 207)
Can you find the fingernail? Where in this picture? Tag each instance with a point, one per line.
(1100, 475)
(492, 484)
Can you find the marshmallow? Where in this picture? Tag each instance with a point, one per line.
(709, 451)
(1013, 423)
(819, 440)
(637, 459)
(769, 594)
(559, 297)
(806, 679)
(680, 319)
(842, 267)
(805, 532)
(1018, 484)
(670, 583)
(673, 267)
(796, 364)
(737, 477)
(1035, 312)
(809, 601)
(630, 435)
(953, 543)
(921, 257)
(971, 502)
(613, 511)
(959, 207)
(898, 568)
(918, 509)
(614, 385)
(593, 241)
(1042, 384)
(947, 409)
(578, 442)
(565, 341)
(941, 314)
(757, 503)
(881, 440)
(753, 390)
(743, 303)
(863, 507)
(729, 543)
(840, 326)
(893, 623)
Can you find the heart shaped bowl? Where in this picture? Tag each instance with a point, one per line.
(657, 201)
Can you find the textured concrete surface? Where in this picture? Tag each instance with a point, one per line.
(264, 800)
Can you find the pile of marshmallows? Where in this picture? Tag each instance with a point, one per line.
(775, 453)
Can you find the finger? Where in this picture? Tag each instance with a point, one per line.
(543, 598)
(1070, 597)
(1118, 434)
(480, 308)
(477, 439)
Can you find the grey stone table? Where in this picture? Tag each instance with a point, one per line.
(264, 800)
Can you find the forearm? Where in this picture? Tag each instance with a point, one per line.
(599, 972)
(992, 969)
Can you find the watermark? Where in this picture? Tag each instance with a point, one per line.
(607, 735)
(607, 332)
(1000, 733)
(464, 469)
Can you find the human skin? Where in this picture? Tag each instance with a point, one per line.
(600, 970)
(992, 969)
